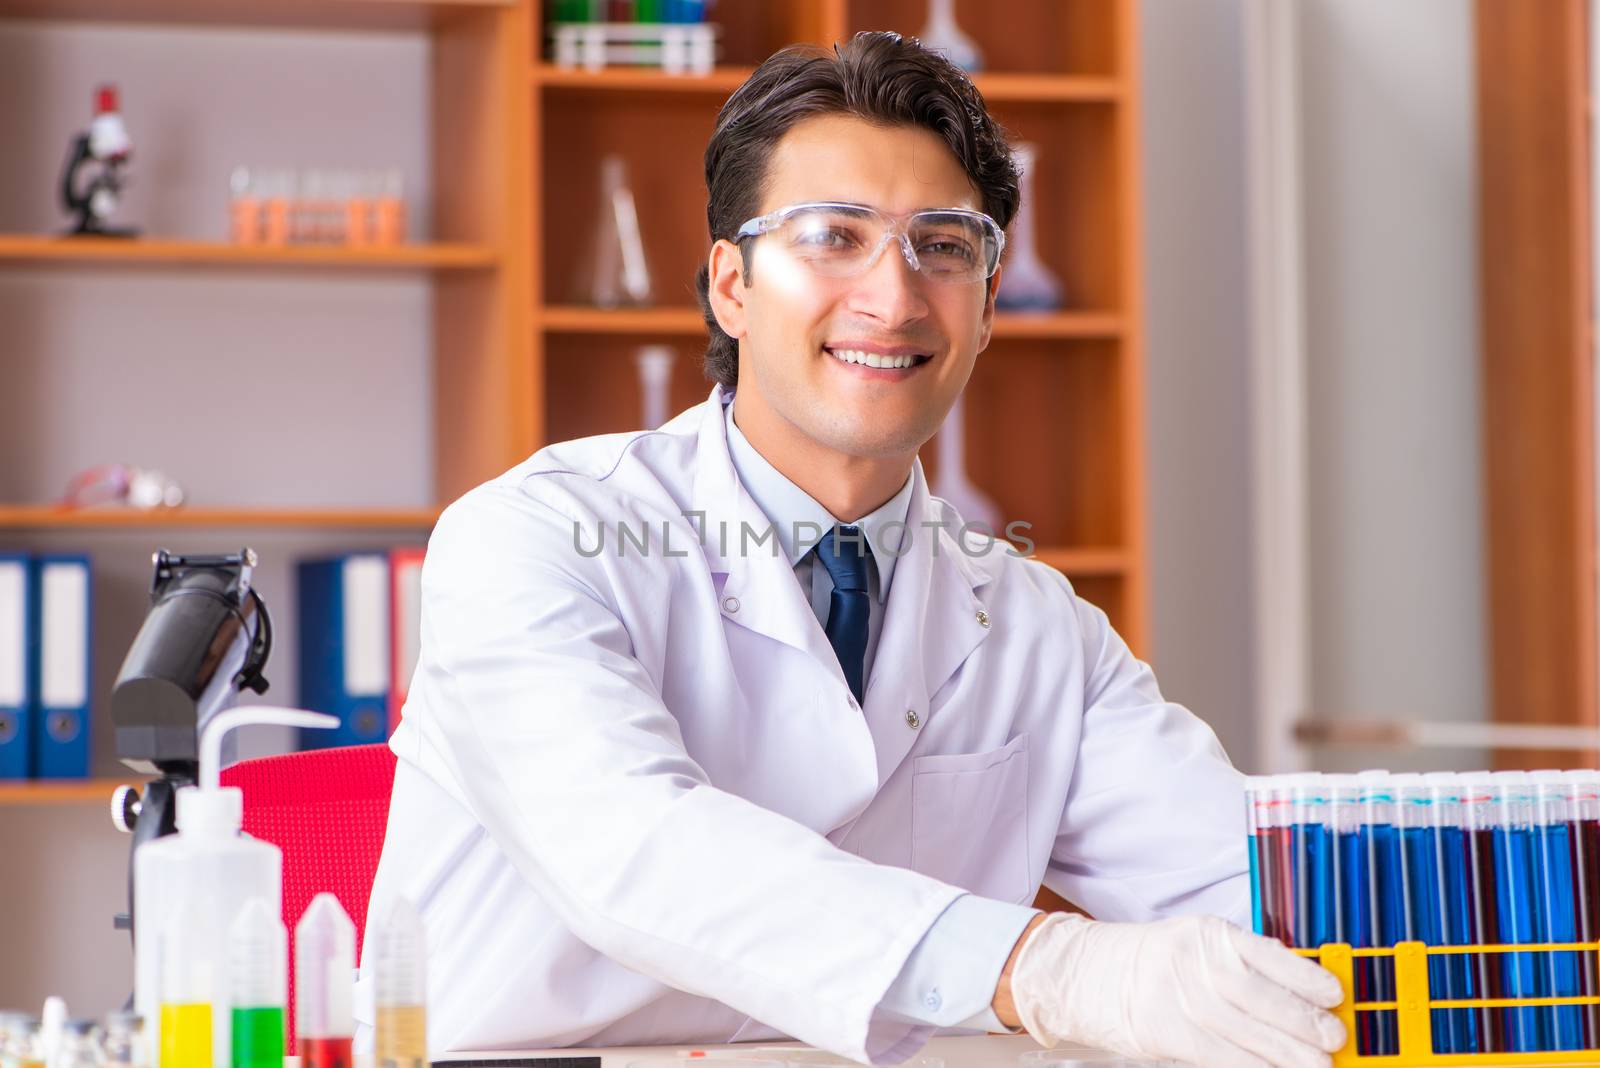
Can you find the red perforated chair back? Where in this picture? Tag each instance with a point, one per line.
(327, 810)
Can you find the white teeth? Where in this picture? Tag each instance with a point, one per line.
(872, 359)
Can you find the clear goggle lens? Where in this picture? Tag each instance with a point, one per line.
(839, 241)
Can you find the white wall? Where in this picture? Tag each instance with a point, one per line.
(1197, 362)
(1396, 506)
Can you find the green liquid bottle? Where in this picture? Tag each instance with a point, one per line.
(258, 1038)
(257, 963)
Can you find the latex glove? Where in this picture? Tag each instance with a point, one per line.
(1195, 989)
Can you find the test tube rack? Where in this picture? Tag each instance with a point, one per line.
(1413, 1005)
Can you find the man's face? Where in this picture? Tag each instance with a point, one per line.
(796, 322)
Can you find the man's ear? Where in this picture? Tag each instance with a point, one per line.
(725, 287)
(986, 324)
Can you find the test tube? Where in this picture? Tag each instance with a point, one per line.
(1585, 824)
(400, 975)
(1455, 904)
(257, 950)
(1277, 861)
(1424, 894)
(1385, 872)
(1555, 905)
(186, 992)
(1255, 791)
(1316, 890)
(1480, 810)
(1516, 896)
(324, 968)
(79, 1047)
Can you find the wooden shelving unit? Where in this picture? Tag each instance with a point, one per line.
(62, 791)
(46, 517)
(1054, 410)
(35, 249)
(1054, 407)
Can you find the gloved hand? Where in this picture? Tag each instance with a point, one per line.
(1194, 989)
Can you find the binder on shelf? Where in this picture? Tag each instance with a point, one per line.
(405, 602)
(343, 640)
(62, 613)
(16, 658)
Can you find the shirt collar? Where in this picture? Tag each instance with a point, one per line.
(787, 506)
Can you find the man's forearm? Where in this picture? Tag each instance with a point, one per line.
(1004, 1006)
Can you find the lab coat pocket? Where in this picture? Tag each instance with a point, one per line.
(969, 821)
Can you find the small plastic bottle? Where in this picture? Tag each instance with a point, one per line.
(123, 1043)
(324, 970)
(399, 968)
(79, 1046)
(257, 950)
(24, 1046)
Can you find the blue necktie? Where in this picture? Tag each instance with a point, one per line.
(843, 551)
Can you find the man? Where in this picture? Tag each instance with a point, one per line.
(727, 731)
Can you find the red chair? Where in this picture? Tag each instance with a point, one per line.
(327, 809)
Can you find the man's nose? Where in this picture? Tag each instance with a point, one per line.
(890, 290)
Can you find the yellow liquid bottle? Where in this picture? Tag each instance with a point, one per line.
(399, 955)
(401, 1036)
(186, 1036)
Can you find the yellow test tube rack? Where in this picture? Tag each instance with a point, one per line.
(1413, 1006)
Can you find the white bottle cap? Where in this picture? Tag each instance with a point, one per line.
(324, 970)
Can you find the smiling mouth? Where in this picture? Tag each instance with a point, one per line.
(873, 359)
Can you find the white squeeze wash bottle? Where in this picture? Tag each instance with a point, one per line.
(217, 869)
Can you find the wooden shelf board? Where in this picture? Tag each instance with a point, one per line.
(388, 15)
(1074, 561)
(1014, 88)
(721, 81)
(573, 319)
(26, 248)
(49, 517)
(63, 791)
(1028, 88)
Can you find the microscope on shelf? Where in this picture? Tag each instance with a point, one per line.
(103, 149)
(204, 641)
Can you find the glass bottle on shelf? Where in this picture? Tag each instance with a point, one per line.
(621, 276)
(941, 34)
(389, 209)
(952, 484)
(655, 383)
(1027, 284)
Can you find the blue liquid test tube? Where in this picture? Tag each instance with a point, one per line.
(1256, 790)
(1556, 905)
(1424, 891)
(1516, 888)
(1311, 849)
(1385, 871)
(1450, 844)
(1356, 901)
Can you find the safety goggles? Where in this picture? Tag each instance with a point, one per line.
(839, 240)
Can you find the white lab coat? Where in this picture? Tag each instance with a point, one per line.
(637, 804)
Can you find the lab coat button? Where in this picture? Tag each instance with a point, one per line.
(932, 1000)
(983, 618)
(912, 719)
(730, 605)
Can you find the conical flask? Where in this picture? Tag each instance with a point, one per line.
(621, 275)
(1027, 284)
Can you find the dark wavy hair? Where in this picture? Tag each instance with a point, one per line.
(881, 77)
